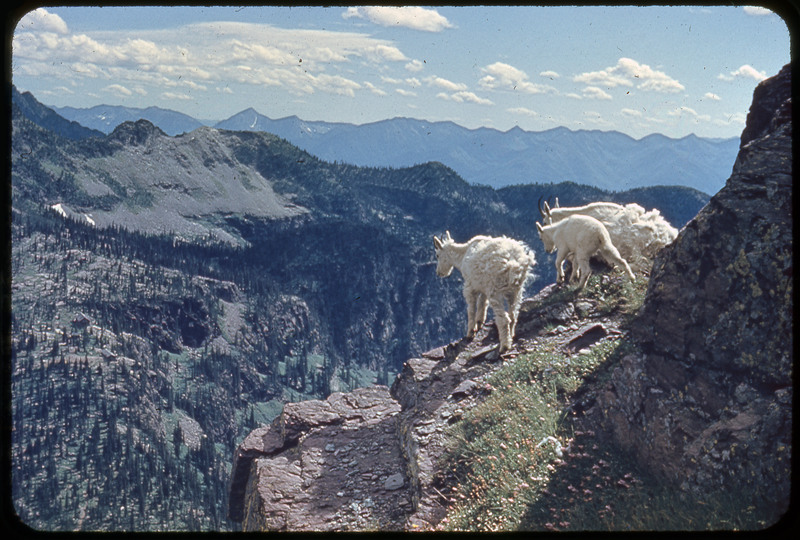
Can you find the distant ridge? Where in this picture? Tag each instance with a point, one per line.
(608, 160)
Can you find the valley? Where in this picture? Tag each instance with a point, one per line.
(201, 281)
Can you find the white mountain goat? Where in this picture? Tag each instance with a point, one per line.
(494, 272)
(637, 234)
(580, 237)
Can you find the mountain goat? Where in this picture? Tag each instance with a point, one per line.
(495, 271)
(580, 237)
(637, 234)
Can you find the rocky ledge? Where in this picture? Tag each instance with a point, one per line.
(367, 460)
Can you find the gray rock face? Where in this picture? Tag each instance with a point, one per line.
(709, 403)
(324, 466)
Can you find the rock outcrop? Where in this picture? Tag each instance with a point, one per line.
(708, 403)
(704, 399)
(368, 459)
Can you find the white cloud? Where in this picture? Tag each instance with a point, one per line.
(711, 96)
(374, 89)
(413, 17)
(118, 90)
(756, 10)
(629, 72)
(631, 112)
(464, 97)
(415, 65)
(404, 92)
(523, 111)
(549, 74)
(445, 84)
(688, 112)
(41, 20)
(502, 76)
(176, 96)
(593, 92)
(745, 71)
(190, 56)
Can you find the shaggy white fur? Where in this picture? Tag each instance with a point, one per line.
(495, 271)
(580, 237)
(636, 233)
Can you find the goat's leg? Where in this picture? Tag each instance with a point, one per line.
(471, 297)
(560, 266)
(481, 307)
(612, 256)
(573, 272)
(585, 270)
(514, 300)
(502, 321)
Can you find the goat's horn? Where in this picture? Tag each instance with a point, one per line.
(539, 206)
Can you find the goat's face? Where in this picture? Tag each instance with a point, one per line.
(444, 266)
(546, 236)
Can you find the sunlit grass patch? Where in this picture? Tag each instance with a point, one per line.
(520, 460)
(506, 450)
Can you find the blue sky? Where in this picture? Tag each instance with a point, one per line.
(638, 70)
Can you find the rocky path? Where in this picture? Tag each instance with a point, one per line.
(367, 460)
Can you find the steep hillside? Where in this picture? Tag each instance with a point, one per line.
(660, 404)
(48, 119)
(716, 331)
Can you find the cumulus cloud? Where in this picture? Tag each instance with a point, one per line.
(415, 65)
(549, 74)
(757, 11)
(42, 20)
(629, 72)
(374, 89)
(631, 112)
(445, 84)
(502, 76)
(465, 97)
(711, 96)
(593, 92)
(413, 17)
(523, 111)
(298, 60)
(746, 71)
(688, 112)
(118, 90)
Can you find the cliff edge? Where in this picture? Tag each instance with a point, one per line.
(708, 404)
(701, 397)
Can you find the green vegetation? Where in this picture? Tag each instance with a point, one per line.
(504, 464)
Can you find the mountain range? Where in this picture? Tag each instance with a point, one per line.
(170, 293)
(608, 160)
